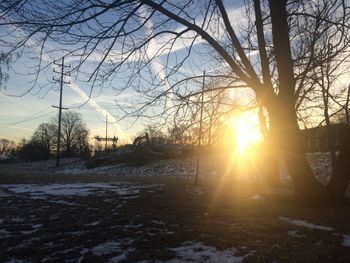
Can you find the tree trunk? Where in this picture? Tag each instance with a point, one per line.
(341, 174)
(270, 154)
(281, 109)
(272, 176)
(288, 139)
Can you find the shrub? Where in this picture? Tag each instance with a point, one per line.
(34, 152)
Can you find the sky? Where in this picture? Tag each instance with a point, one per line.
(21, 114)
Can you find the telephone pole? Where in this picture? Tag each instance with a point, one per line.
(106, 132)
(200, 128)
(61, 80)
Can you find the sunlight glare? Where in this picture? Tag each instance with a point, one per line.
(246, 129)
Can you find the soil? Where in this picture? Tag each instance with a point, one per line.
(109, 225)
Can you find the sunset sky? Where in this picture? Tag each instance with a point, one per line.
(21, 114)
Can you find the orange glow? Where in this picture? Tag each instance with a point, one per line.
(246, 130)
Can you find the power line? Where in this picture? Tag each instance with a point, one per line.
(95, 107)
(29, 118)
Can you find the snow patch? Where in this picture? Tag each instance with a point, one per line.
(94, 223)
(198, 252)
(320, 164)
(158, 222)
(28, 232)
(106, 248)
(124, 190)
(134, 226)
(17, 261)
(346, 240)
(4, 233)
(122, 257)
(3, 193)
(299, 222)
(295, 233)
(111, 247)
(84, 170)
(62, 202)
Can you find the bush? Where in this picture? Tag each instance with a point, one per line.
(33, 152)
(6, 160)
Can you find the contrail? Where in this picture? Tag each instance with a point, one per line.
(155, 63)
(99, 109)
(79, 91)
(91, 101)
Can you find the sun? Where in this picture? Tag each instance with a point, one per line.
(246, 129)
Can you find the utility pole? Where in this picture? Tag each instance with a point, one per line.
(200, 128)
(106, 131)
(62, 66)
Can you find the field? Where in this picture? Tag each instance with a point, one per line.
(48, 215)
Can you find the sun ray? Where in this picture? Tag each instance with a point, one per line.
(246, 129)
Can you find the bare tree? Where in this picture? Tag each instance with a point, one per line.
(74, 133)
(286, 39)
(45, 135)
(6, 147)
(4, 64)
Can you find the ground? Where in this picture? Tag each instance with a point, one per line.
(50, 216)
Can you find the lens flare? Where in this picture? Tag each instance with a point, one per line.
(246, 130)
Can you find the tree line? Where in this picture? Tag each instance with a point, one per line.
(42, 145)
(289, 54)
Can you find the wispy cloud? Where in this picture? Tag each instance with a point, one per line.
(100, 110)
(73, 86)
(156, 64)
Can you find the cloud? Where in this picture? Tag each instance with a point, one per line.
(93, 103)
(156, 65)
(100, 110)
(234, 13)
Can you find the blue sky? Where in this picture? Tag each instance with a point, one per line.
(21, 115)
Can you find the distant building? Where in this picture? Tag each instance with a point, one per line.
(316, 139)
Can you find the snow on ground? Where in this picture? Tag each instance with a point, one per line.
(346, 240)
(4, 232)
(192, 251)
(105, 248)
(295, 233)
(189, 251)
(40, 222)
(303, 223)
(170, 167)
(18, 261)
(38, 191)
(320, 164)
(41, 166)
(3, 193)
(122, 247)
(211, 166)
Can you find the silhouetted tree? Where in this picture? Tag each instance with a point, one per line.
(74, 137)
(132, 34)
(45, 135)
(6, 147)
(32, 152)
